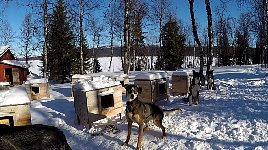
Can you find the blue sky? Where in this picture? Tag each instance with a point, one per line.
(16, 14)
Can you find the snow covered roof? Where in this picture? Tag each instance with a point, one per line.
(3, 49)
(15, 63)
(80, 77)
(36, 81)
(96, 83)
(14, 96)
(182, 73)
(151, 76)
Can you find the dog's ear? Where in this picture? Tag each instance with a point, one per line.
(126, 86)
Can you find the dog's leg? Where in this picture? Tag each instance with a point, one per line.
(190, 100)
(158, 122)
(141, 124)
(128, 133)
(147, 125)
(197, 98)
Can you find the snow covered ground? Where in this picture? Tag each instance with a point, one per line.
(235, 116)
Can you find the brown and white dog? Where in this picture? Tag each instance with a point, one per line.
(32, 137)
(141, 113)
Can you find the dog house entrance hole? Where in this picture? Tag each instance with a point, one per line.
(107, 101)
(162, 87)
(35, 89)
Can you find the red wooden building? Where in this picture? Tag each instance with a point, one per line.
(11, 70)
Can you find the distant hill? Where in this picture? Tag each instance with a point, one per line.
(147, 51)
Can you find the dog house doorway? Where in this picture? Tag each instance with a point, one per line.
(107, 101)
(162, 87)
(35, 89)
(8, 75)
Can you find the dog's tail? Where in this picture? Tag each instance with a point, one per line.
(171, 111)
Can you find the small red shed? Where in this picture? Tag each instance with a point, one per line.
(11, 70)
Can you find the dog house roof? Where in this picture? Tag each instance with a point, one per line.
(36, 81)
(14, 96)
(96, 83)
(151, 76)
(182, 73)
(118, 76)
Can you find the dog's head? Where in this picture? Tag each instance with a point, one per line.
(132, 91)
(196, 77)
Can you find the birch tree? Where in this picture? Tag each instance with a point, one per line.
(28, 44)
(81, 15)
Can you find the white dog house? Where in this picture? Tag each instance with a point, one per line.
(37, 88)
(14, 106)
(155, 86)
(97, 99)
(181, 81)
(116, 76)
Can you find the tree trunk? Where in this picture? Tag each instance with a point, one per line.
(112, 48)
(45, 38)
(196, 38)
(210, 34)
(81, 39)
(126, 39)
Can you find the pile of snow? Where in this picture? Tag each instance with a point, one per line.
(96, 83)
(14, 96)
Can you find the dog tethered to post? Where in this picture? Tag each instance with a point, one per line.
(210, 80)
(194, 88)
(141, 113)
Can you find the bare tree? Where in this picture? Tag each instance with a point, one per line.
(196, 38)
(82, 15)
(27, 37)
(6, 34)
(260, 25)
(160, 12)
(111, 17)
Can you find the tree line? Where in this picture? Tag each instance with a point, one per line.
(69, 32)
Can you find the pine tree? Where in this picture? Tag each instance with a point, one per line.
(61, 45)
(96, 66)
(173, 45)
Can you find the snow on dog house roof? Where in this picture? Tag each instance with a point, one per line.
(151, 76)
(14, 96)
(36, 81)
(182, 73)
(97, 83)
(119, 76)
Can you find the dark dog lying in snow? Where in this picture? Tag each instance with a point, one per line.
(32, 137)
(141, 113)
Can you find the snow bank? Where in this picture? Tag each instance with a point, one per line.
(14, 96)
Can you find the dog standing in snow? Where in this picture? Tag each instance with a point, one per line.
(210, 80)
(194, 89)
(141, 113)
